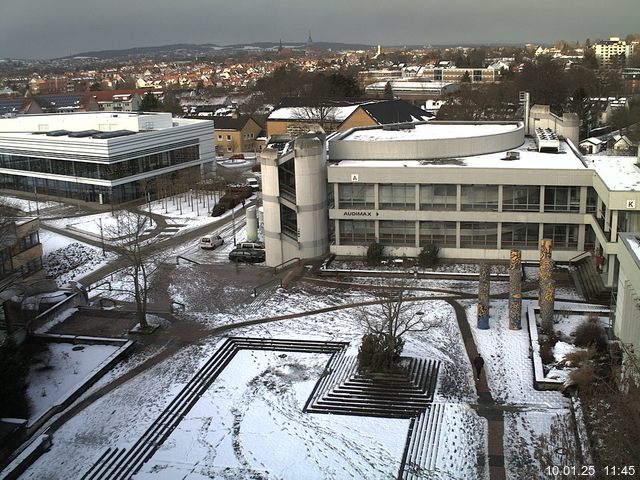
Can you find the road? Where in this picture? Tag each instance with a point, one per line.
(184, 244)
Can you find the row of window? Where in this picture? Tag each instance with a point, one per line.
(472, 234)
(111, 171)
(93, 193)
(246, 136)
(402, 196)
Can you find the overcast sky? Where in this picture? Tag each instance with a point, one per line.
(55, 28)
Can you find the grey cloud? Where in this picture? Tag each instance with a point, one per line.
(36, 29)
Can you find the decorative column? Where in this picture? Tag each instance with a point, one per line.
(515, 290)
(483, 296)
(547, 290)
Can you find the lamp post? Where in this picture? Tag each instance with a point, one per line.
(233, 223)
(35, 190)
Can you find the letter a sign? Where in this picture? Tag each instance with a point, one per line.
(354, 177)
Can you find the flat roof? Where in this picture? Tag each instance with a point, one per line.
(430, 131)
(530, 158)
(617, 173)
(632, 242)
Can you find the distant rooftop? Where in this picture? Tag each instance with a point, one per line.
(618, 173)
(429, 131)
(90, 124)
(528, 157)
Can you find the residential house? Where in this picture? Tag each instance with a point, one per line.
(293, 118)
(20, 247)
(235, 135)
(613, 52)
(592, 145)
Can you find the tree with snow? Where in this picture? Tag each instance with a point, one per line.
(394, 316)
(129, 241)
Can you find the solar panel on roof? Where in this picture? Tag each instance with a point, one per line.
(84, 133)
(57, 133)
(114, 134)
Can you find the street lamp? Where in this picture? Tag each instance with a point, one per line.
(233, 223)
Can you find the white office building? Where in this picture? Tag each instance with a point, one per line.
(476, 190)
(100, 157)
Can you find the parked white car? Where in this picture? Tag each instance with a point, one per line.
(209, 242)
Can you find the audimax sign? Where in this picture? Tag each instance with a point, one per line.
(359, 213)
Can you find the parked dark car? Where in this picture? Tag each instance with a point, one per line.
(248, 255)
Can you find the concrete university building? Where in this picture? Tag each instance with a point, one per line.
(476, 190)
(100, 157)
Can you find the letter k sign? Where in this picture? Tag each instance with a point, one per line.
(631, 204)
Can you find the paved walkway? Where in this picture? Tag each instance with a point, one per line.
(486, 407)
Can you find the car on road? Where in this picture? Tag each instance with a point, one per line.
(251, 245)
(247, 255)
(209, 242)
(253, 183)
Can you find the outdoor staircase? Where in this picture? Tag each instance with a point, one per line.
(421, 452)
(587, 280)
(123, 463)
(346, 391)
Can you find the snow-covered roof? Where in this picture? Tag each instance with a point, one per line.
(337, 114)
(430, 131)
(529, 158)
(593, 140)
(618, 173)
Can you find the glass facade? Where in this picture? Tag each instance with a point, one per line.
(562, 199)
(438, 197)
(397, 196)
(479, 197)
(397, 233)
(478, 235)
(287, 180)
(356, 195)
(522, 235)
(516, 198)
(564, 237)
(357, 232)
(442, 234)
(407, 230)
(87, 192)
(101, 171)
(289, 222)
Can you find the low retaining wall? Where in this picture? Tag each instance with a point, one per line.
(91, 378)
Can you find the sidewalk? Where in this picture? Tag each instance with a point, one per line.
(487, 407)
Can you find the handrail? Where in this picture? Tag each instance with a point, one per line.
(93, 287)
(185, 258)
(269, 283)
(580, 256)
(284, 265)
(182, 306)
(103, 300)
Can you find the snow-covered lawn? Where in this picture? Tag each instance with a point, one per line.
(74, 260)
(59, 370)
(90, 224)
(250, 424)
(250, 421)
(508, 364)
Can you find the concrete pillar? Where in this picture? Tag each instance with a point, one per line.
(515, 290)
(252, 224)
(547, 286)
(483, 296)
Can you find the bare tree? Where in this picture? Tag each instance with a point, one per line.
(386, 323)
(129, 242)
(7, 224)
(319, 114)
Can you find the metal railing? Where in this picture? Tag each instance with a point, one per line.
(185, 258)
(286, 264)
